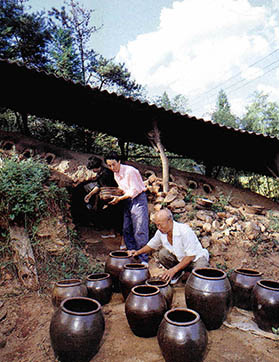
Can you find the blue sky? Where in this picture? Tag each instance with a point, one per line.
(191, 47)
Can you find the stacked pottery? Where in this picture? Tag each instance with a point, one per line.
(265, 304)
(145, 307)
(165, 289)
(242, 283)
(115, 263)
(76, 329)
(132, 275)
(182, 336)
(66, 289)
(99, 287)
(208, 291)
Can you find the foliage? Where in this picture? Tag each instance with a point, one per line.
(23, 194)
(223, 114)
(178, 103)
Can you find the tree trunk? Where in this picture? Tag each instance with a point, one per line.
(156, 142)
(24, 258)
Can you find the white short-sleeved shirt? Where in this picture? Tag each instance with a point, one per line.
(184, 242)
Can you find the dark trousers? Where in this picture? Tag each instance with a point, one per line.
(136, 224)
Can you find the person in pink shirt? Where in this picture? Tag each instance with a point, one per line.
(136, 219)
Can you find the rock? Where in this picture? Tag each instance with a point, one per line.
(171, 195)
(177, 204)
(231, 220)
(206, 227)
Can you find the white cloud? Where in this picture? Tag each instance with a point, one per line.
(199, 44)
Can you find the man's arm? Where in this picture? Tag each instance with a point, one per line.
(144, 250)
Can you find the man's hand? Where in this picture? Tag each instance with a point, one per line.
(115, 200)
(132, 253)
(168, 274)
(87, 198)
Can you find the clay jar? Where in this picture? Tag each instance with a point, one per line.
(114, 264)
(165, 289)
(242, 283)
(66, 289)
(265, 304)
(208, 291)
(99, 287)
(145, 307)
(76, 329)
(132, 275)
(182, 336)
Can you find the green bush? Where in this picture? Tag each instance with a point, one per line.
(23, 194)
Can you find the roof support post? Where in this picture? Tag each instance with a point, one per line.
(155, 140)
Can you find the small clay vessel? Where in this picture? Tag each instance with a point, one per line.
(242, 283)
(99, 287)
(165, 289)
(145, 307)
(182, 336)
(115, 263)
(66, 289)
(208, 291)
(132, 275)
(76, 329)
(265, 304)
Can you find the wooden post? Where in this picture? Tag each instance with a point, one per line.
(154, 138)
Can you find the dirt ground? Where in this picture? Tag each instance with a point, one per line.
(25, 319)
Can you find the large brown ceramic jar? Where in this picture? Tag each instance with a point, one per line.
(76, 329)
(265, 304)
(132, 275)
(115, 263)
(145, 307)
(165, 289)
(208, 291)
(66, 289)
(182, 336)
(99, 287)
(242, 283)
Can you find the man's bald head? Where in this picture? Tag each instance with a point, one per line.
(164, 220)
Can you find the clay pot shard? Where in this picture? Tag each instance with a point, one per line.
(182, 336)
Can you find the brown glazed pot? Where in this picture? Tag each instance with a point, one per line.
(66, 289)
(132, 275)
(114, 264)
(164, 287)
(76, 329)
(145, 307)
(99, 287)
(208, 291)
(265, 304)
(182, 336)
(242, 283)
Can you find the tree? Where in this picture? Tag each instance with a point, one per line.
(77, 23)
(262, 115)
(179, 103)
(223, 113)
(23, 37)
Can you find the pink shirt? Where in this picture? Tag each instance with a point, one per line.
(129, 181)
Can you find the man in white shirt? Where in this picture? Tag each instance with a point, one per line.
(180, 249)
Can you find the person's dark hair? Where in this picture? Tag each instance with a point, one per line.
(94, 162)
(112, 156)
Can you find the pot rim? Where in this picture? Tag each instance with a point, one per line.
(68, 311)
(68, 283)
(260, 283)
(144, 286)
(248, 271)
(98, 276)
(135, 265)
(122, 254)
(223, 276)
(196, 314)
(162, 284)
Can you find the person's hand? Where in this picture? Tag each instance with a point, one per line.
(167, 275)
(87, 198)
(132, 252)
(114, 201)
